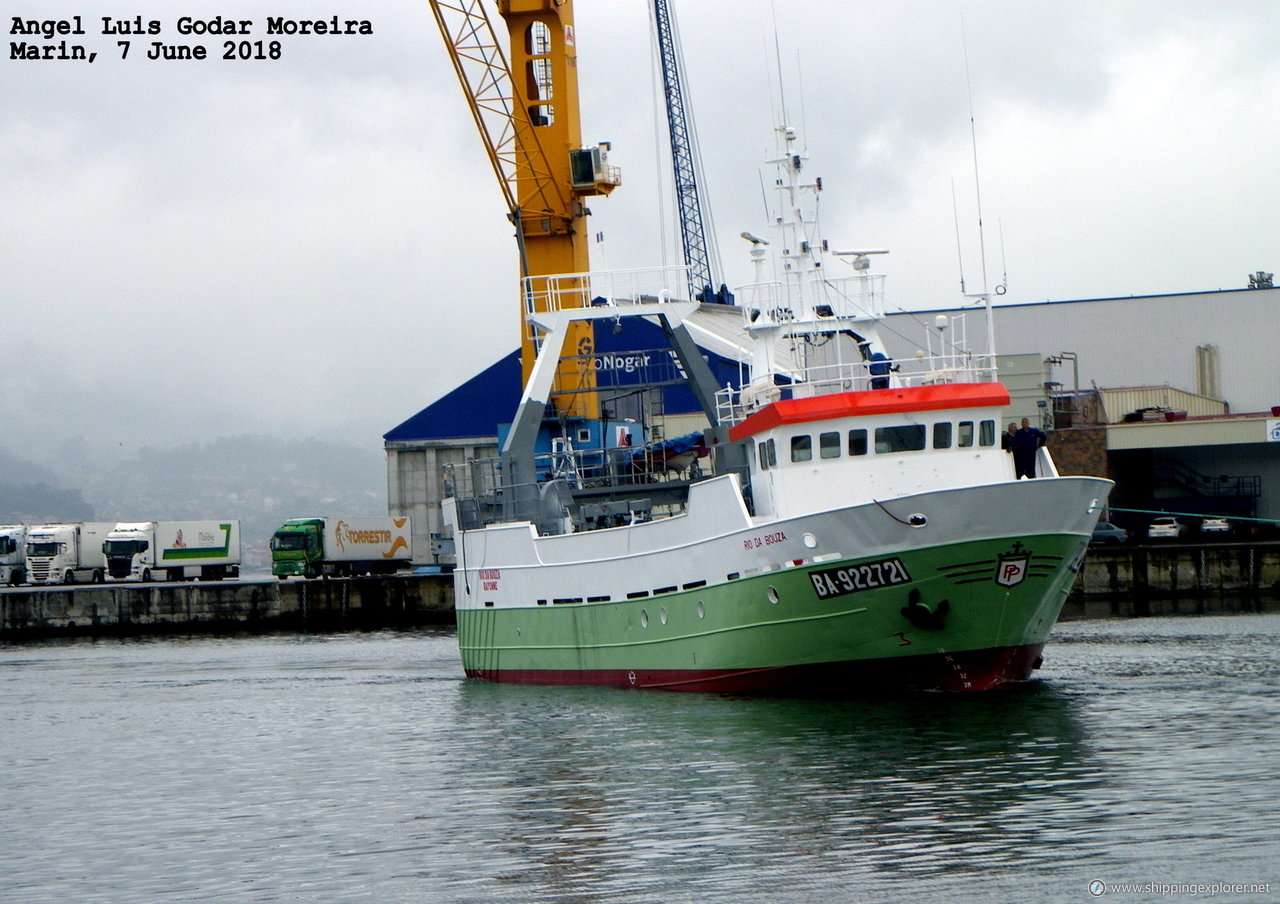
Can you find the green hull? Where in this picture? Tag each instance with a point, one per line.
(971, 602)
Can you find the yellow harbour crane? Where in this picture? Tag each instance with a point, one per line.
(524, 100)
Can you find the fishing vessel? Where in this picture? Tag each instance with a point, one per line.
(855, 524)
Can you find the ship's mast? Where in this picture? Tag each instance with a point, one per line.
(807, 317)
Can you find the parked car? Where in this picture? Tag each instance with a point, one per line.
(1166, 527)
(1215, 526)
(1108, 533)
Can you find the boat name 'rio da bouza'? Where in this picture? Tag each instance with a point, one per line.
(853, 525)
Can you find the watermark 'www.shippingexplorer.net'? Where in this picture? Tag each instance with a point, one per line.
(1098, 888)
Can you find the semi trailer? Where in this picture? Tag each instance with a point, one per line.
(173, 550)
(314, 547)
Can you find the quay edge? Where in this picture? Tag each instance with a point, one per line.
(268, 605)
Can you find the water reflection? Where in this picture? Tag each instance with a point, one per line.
(596, 782)
(364, 769)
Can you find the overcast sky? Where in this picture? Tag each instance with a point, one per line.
(315, 245)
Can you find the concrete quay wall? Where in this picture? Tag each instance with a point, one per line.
(340, 604)
(1167, 580)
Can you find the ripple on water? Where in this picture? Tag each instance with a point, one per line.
(362, 768)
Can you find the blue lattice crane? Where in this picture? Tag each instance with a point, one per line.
(698, 254)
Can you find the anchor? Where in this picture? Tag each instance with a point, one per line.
(921, 616)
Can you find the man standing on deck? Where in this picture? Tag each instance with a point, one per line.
(881, 365)
(1025, 443)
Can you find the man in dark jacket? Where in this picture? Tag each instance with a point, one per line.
(881, 365)
(1025, 443)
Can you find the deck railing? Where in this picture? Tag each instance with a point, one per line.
(567, 291)
(733, 405)
(784, 301)
(483, 495)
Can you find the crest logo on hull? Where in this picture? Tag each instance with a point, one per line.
(1012, 566)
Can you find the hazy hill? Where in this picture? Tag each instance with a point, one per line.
(31, 493)
(259, 480)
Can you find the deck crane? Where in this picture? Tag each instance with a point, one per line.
(528, 116)
(693, 232)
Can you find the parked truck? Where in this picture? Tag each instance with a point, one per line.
(173, 550)
(13, 554)
(67, 553)
(311, 547)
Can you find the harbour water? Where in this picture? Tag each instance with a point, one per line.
(363, 768)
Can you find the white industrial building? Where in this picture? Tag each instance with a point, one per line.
(1217, 344)
(1186, 388)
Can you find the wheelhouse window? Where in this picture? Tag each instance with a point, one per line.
(802, 448)
(910, 438)
(965, 436)
(858, 442)
(768, 455)
(829, 445)
(987, 433)
(942, 435)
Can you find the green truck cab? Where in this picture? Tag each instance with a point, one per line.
(297, 547)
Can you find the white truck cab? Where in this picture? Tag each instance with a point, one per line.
(67, 553)
(13, 554)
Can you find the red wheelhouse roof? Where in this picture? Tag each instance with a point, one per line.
(939, 397)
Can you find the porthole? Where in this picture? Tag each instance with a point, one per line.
(644, 618)
(702, 610)
(810, 541)
(662, 615)
(773, 595)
